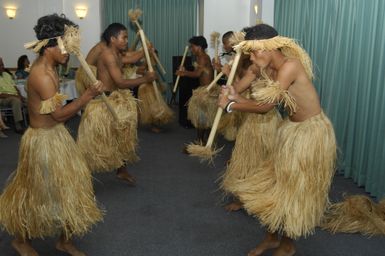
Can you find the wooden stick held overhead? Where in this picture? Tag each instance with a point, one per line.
(181, 65)
(71, 41)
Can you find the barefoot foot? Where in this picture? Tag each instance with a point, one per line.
(23, 248)
(68, 247)
(271, 241)
(233, 206)
(124, 175)
(286, 248)
(155, 129)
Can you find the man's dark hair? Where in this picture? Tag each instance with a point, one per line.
(199, 41)
(260, 31)
(51, 26)
(227, 35)
(20, 62)
(112, 30)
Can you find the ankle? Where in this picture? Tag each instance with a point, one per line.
(272, 237)
(287, 245)
(121, 171)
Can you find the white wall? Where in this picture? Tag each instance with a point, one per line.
(225, 15)
(219, 15)
(255, 18)
(14, 33)
(268, 12)
(90, 26)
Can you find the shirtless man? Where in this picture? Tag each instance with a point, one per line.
(109, 71)
(51, 191)
(204, 71)
(301, 166)
(129, 57)
(110, 63)
(94, 54)
(254, 134)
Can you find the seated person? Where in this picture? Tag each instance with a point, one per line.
(22, 71)
(10, 97)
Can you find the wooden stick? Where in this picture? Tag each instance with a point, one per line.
(220, 110)
(208, 88)
(133, 46)
(138, 25)
(155, 57)
(181, 65)
(214, 42)
(157, 60)
(150, 68)
(216, 56)
(217, 78)
(71, 42)
(147, 55)
(92, 77)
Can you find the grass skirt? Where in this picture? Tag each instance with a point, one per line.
(51, 191)
(230, 124)
(106, 143)
(356, 214)
(151, 111)
(254, 143)
(82, 81)
(289, 191)
(203, 106)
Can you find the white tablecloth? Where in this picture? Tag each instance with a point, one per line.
(67, 87)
